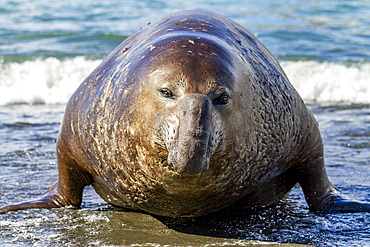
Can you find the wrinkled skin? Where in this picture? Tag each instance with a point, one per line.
(186, 117)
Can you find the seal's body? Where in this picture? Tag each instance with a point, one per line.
(186, 117)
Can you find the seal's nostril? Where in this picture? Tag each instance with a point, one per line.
(170, 165)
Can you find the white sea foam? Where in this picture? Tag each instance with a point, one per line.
(53, 81)
(50, 80)
(330, 82)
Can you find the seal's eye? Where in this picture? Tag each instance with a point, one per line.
(165, 92)
(222, 99)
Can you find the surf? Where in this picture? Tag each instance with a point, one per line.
(53, 80)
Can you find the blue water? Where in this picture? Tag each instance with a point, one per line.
(48, 47)
(319, 30)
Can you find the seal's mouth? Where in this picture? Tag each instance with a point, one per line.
(189, 158)
(165, 160)
(192, 162)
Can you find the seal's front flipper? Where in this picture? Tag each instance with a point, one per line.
(51, 199)
(67, 192)
(345, 205)
(321, 195)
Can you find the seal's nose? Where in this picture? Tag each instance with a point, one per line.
(191, 154)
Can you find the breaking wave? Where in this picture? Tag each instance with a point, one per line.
(53, 81)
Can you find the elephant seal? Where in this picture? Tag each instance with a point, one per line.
(186, 117)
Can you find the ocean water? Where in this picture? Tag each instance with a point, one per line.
(47, 48)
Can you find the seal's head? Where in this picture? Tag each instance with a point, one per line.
(193, 95)
(192, 84)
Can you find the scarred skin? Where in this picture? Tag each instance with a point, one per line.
(185, 117)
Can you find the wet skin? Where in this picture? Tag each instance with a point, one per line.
(188, 116)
